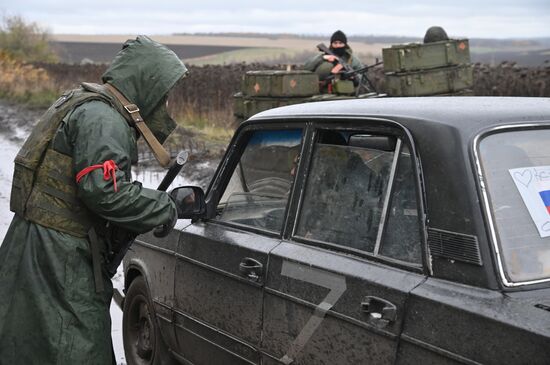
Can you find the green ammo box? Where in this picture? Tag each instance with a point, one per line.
(238, 105)
(465, 92)
(280, 84)
(430, 82)
(256, 105)
(343, 87)
(246, 107)
(423, 56)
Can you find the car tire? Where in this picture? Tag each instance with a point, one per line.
(143, 343)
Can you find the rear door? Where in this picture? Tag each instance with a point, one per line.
(336, 287)
(222, 263)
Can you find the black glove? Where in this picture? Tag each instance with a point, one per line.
(183, 198)
(165, 229)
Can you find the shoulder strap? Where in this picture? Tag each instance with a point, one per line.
(160, 153)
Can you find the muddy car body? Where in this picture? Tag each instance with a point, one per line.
(359, 231)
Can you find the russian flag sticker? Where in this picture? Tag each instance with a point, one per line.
(533, 184)
(544, 192)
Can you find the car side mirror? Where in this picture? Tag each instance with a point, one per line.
(190, 202)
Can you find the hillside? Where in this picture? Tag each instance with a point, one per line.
(227, 48)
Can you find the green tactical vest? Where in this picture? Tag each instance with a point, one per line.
(44, 188)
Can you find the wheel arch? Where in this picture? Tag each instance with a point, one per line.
(135, 269)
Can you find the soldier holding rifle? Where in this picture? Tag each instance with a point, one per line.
(334, 60)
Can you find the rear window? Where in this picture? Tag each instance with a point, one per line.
(516, 169)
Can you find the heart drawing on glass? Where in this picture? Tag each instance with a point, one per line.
(524, 178)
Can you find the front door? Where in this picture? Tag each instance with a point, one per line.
(222, 262)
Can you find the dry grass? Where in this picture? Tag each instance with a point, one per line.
(24, 82)
(217, 125)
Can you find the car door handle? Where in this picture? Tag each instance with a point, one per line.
(380, 310)
(251, 268)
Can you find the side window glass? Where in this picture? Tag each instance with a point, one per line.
(258, 191)
(359, 195)
(344, 192)
(401, 239)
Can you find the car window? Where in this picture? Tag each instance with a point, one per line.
(401, 239)
(259, 188)
(516, 168)
(346, 198)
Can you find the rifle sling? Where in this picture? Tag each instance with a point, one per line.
(160, 153)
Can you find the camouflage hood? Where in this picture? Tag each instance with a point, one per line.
(145, 71)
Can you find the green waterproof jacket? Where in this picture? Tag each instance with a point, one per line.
(318, 65)
(50, 312)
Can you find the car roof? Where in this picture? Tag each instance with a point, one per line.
(467, 114)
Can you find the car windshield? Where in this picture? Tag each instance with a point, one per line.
(516, 168)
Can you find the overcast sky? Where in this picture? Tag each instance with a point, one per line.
(468, 18)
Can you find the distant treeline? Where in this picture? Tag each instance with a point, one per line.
(352, 38)
(207, 92)
(389, 39)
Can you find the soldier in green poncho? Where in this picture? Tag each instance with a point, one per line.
(71, 177)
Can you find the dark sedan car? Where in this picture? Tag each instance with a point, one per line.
(374, 231)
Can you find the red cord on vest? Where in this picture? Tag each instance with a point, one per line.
(109, 167)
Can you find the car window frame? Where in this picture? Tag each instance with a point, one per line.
(475, 156)
(360, 125)
(229, 163)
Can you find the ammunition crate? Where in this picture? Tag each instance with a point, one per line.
(280, 84)
(343, 87)
(246, 107)
(465, 92)
(430, 82)
(424, 56)
(238, 104)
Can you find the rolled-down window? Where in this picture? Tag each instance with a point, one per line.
(516, 169)
(258, 191)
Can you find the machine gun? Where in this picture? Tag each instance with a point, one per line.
(120, 239)
(363, 82)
